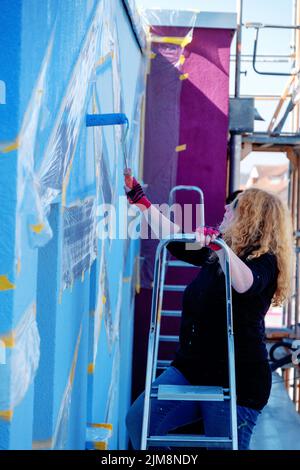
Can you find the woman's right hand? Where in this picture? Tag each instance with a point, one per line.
(134, 191)
(206, 235)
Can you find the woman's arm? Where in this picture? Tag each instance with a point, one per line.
(241, 274)
(159, 223)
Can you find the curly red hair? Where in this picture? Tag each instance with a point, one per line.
(262, 223)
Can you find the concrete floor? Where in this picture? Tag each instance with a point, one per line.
(278, 427)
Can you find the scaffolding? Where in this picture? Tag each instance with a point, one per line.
(244, 139)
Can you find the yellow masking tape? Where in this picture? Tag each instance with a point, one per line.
(184, 76)
(19, 265)
(178, 41)
(100, 445)
(103, 299)
(8, 340)
(104, 59)
(37, 228)
(6, 415)
(5, 283)
(152, 55)
(181, 59)
(180, 148)
(42, 445)
(10, 148)
(91, 368)
(101, 425)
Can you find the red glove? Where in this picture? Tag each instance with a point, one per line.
(134, 191)
(211, 231)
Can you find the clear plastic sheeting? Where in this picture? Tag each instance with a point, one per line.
(114, 386)
(60, 437)
(165, 17)
(22, 360)
(29, 207)
(55, 167)
(79, 239)
(104, 310)
(137, 21)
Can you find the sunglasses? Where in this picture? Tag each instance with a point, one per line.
(235, 203)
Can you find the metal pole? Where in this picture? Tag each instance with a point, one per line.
(236, 139)
(238, 49)
(235, 158)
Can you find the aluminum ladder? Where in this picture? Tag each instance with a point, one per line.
(186, 392)
(161, 363)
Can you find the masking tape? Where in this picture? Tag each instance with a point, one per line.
(9, 340)
(6, 415)
(180, 148)
(19, 265)
(42, 445)
(11, 147)
(101, 445)
(101, 425)
(38, 228)
(91, 368)
(5, 283)
(184, 76)
(153, 55)
(104, 58)
(178, 41)
(181, 59)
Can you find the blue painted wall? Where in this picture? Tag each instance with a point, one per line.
(66, 296)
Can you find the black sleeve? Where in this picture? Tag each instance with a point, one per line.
(264, 270)
(195, 257)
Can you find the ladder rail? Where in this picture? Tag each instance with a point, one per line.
(183, 187)
(155, 328)
(160, 301)
(230, 341)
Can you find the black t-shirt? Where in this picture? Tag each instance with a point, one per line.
(202, 353)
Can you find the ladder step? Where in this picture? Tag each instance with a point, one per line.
(190, 440)
(169, 338)
(179, 264)
(171, 313)
(173, 288)
(163, 363)
(190, 393)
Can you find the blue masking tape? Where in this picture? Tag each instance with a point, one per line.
(106, 119)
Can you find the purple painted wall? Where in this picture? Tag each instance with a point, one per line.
(204, 118)
(191, 112)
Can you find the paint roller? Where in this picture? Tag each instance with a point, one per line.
(113, 119)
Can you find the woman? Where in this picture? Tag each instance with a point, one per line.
(257, 229)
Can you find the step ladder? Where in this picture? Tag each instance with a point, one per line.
(162, 364)
(186, 392)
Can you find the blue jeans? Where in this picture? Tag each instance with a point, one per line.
(167, 415)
